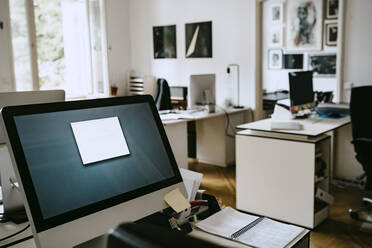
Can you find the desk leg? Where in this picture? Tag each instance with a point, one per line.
(177, 136)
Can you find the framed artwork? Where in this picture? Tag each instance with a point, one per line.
(331, 34)
(276, 36)
(293, 61)
(323, 64)
(275, 59)
(332, 9)
(199, 40)
(304, 25)
(164, 38)
(276, 13)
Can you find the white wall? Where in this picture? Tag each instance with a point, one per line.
(118, 43)
(358, 44)
(233, 31)
(5, 51)
(278, 79)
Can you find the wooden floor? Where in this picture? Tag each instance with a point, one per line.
(337, 231)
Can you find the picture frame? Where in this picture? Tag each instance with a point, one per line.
(276, 36)
(164, 41)
(323, 65)
(198, 40)
(293, 61)
(276, 13)
(331, 34)
(275, 59)
(332, 9)
(304, 25)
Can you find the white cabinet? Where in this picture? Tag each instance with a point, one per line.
(275, 176)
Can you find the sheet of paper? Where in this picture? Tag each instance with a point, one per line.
(192, 181)
(270, 234)
(176, 200)
(226, 222)
(99, 139)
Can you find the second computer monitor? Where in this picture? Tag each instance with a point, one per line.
(301, 91)
(202, 89)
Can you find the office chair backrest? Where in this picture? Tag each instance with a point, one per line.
(162, 99)
(360, 111)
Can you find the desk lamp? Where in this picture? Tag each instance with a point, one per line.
(238, 83)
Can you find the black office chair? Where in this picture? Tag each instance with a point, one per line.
(163, 97)
(361, 123)
(142, 235)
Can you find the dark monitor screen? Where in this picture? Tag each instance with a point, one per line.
(76, 158)
(301, 91)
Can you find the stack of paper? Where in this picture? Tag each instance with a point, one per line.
(192, 181)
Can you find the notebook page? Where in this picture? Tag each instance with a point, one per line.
(226, 222)
(270, 234)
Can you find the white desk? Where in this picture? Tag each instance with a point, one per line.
(275, 169)
(213, 145)
(302, 241)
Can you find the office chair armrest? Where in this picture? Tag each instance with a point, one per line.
(362, 140)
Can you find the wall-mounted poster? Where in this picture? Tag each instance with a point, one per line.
(293, 61)
(332, 9)
(331, 34)
(276, 13)
(275, 59)
(304, 25)
(323, 64)
(276, 36)
(199, 40)
(165, 42)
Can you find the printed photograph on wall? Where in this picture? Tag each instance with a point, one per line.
(293, 61)
(323, 64)
(276, 13)
(304, 25)
(332, 9)
(199, 40)
(331, 34)
(275, 59)
(164, 38)
(276, 36)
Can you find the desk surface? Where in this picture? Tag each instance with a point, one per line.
(312, 127)
(29, 243)
(192, 115)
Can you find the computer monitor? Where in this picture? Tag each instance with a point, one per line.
(86, 166)
(301, 91)
(12, 200)
(202, 90)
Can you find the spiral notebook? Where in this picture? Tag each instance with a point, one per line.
(249, 229)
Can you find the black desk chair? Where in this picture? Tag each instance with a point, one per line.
(361, 122)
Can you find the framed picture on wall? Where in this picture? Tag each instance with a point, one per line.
(323, 64)
(276, 36)
(199, 40)
(293, 61)
(275, 59)
(331, 34)
(332, 9)
(164, 39)
(276, 13)
(304, 25)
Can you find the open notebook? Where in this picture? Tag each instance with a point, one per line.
(249, 229)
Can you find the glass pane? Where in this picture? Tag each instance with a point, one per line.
(50, 48)
(21, 45)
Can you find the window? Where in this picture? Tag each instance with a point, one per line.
(70, 43)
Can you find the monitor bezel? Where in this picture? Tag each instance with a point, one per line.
(42, 224)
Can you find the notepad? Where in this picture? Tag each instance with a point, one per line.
(249, 229)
